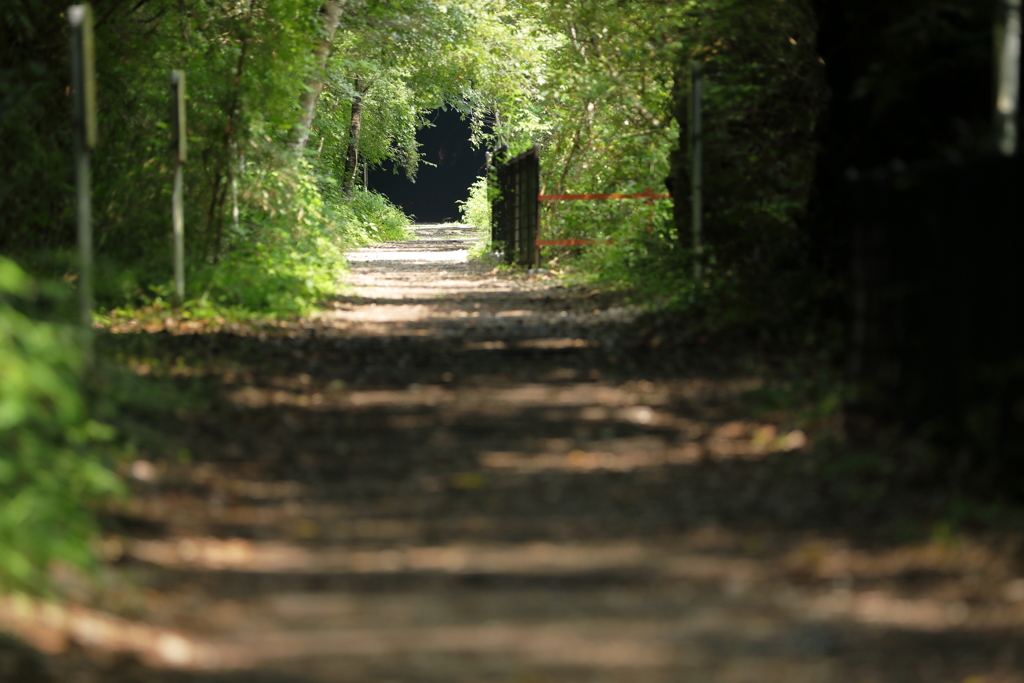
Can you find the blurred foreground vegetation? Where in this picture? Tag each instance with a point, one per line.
(55, 460)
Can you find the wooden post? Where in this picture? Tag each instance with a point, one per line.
(179, 143)
(697, 164)
(83, 107)
(235, 159)
(1008, 46)
(535, 206)
(495, 175)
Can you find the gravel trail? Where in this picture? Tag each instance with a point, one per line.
(458, 475)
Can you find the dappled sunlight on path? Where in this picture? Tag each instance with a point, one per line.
(456, 474)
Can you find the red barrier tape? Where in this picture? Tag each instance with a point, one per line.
(613, 195)
(571, 243)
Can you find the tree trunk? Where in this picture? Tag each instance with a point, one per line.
(330, 14)
(224, 175)
(678, 181)
(352, 154)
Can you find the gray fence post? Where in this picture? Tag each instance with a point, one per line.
(179, 142)
(531, 207)
(1008, 45)
(83, 103)
(697, 161)
(236, 160)
(494, 177)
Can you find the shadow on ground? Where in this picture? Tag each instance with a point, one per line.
(512, 483)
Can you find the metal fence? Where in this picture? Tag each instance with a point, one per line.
(515, 212)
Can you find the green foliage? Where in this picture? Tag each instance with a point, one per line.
(255, 210)
(287, 257)
(249, 213)
(52, 455)
(271, 280)
(764, 92)
(634, 250)
(414, 56)
(617, 95)
(391, 114)
(245, 196)
(283, 257)
(600, 85)
(476, 212)
(377, 218)
(607, 91)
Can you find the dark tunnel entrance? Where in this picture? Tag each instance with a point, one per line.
(433, 197)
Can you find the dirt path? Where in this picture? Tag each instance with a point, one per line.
(458, 476)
